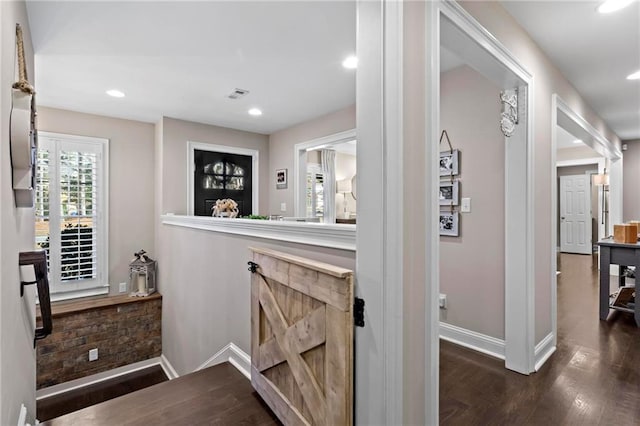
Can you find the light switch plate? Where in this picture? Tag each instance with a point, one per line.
(465, 205)
(123, 288)
(283, 207)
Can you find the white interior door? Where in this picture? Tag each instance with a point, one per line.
(575, 214)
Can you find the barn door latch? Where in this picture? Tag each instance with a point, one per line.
(358, 312)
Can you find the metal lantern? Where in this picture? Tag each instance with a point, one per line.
(142, 275)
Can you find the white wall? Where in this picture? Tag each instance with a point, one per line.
(206, 290)
(631, 177)
(281, 151)
(472, 265)
(17, 315)
(131, 181)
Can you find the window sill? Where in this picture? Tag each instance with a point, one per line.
(72, 307)
(342, 237)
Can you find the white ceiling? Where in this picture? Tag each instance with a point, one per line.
(565, 139)
(594, 51)
(181, 59)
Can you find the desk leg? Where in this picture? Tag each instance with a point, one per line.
(605, 261)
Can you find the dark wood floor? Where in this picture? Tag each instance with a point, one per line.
(592, 379)
(68, 402)
(218, 395)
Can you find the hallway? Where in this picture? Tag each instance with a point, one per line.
(592, 378)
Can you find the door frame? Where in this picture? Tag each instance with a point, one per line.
(588, 225)
(613, 154)
(598, 161)
(255, 177)
(519, 187)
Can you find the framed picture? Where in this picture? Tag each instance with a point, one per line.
(449, 224)
(449, 193)
(281, 179)
(449, 161)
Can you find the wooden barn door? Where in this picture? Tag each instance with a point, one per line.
(302, 338)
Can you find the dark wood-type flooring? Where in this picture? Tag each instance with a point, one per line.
(58, 405)
(218, 395)
(592, 379)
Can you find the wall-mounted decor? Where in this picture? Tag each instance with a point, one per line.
(281, 179)
(509, 116)
(449, 193)
(449, 224)
(449, 161)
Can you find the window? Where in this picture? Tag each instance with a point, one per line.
(70, 213)
(315, 191)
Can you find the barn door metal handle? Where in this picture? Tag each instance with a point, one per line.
(358, 312)
(39, 261)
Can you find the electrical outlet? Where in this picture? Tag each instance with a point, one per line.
(93, 354)
(283, 207)
(443, 301)
(123, 287)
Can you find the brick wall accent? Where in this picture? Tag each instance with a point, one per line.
(124, 329)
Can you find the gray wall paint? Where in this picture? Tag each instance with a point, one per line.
(281, 145)
(206, 290)
(131, 181)
(173, 146)
(472, 265)
(631, 179)
(17, 314)
(548, 80)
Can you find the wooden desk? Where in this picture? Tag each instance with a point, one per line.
(612, 253)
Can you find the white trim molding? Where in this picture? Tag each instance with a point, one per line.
(342, 237)
(473, 340)
(544, 349)
(168, 368)
(234, 355)
(255, 172)
(300, 163)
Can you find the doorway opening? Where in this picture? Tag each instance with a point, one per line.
(467, 49)
(581, 154)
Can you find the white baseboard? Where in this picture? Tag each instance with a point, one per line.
(168, 368)
(95, 378)
(234, 355)
(240, 360)
(470, 339)
(544, 349)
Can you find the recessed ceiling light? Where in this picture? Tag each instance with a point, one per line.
(578, 141)
(115, 93)
(634, 76)
(350, 63)
(613, 5)
(255, 112)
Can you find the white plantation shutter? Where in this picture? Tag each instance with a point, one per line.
(71, 180)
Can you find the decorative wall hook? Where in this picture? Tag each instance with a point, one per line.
(509, 116)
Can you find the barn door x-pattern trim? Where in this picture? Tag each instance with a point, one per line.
(302, 331)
